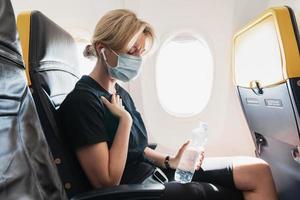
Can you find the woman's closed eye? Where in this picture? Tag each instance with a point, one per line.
(132, 51)
(136, 51)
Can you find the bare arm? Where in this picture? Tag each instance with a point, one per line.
(159, 158)
(155, 156)
(103, 166)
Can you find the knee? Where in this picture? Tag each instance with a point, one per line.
(259, 166)
(252, 167)
(263, 168)
(251, 173)
(247, 160)
(260, 161)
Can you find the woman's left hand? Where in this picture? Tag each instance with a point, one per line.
(174, 161)
(199, 163)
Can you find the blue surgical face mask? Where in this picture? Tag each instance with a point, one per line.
(128, 66)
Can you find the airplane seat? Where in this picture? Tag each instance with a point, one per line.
(26, 169)
(266, 70)
(52, 69)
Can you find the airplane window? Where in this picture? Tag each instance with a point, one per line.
(184, 73)
(85, 65)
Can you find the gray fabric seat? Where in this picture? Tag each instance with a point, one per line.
(268, 87)
(53, 71)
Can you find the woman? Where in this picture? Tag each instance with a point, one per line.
(108, 134)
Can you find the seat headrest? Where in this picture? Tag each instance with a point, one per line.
(49, 45)
(9, 43)
(52, 43)
(267, 44)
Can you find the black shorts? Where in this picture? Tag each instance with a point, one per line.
(213, 181)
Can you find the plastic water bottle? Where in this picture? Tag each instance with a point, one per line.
(187, 164)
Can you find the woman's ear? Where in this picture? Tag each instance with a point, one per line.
(99, 48)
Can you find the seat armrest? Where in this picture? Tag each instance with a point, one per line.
(152, 145)
(124, 192)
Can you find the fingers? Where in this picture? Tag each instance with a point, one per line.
(115, 99)
(118, 100)
(201, 158)
(202, 155)
(185, 144)
(116, 108)
(199, 163)
(183, 147)
(108, 104)
(105, 101)
(121, 103)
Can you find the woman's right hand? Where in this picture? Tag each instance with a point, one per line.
(116, 107)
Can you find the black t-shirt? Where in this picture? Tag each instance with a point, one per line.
(86, 120)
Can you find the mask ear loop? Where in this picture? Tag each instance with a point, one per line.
(104, 57)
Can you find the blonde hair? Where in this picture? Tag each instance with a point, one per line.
(118, 30)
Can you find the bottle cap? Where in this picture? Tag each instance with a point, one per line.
(202, 127)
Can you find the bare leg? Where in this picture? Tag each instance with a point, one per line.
(253, 176)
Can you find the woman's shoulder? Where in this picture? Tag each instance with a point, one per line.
(87, 86)
(85, 91)
(82, 95)
(81, 98)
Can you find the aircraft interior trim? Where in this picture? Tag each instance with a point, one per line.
(192, 96)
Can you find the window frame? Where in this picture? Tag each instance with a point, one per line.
(205, 41)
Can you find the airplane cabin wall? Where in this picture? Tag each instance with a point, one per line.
(228, 131)
(215, 21)
(72, 15)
